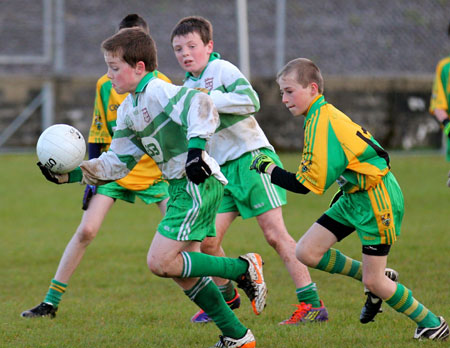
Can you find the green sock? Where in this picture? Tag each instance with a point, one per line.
(333, 261)
(203, 265)
(309, 295)
(55, 292)
(227, 291)
(208, 297)
(403, 302)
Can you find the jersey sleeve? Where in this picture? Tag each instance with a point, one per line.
(202, 117)
(236, 95)
(122, 156)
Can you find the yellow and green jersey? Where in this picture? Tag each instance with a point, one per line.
(440, 96)
(337, 149)
(107, 101)
(441, 86)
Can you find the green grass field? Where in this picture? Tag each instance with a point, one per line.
(114, 301)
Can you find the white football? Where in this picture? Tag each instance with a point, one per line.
(61, 148)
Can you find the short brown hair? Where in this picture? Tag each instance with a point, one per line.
(306, 72)
(134, 45)
(193, 24)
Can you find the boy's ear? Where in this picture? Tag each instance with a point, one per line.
(210, 45)
(314, 88)
(140, 67)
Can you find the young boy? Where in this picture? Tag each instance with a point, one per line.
(172, 125)
(371, 201)
(440, 99)
(144, 181)
(235, 142)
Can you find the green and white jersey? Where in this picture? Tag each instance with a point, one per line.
(159, 120)
(236, 101)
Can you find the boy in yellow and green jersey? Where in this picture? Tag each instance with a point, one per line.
(144, 181)
(370, 200)
(440, 99)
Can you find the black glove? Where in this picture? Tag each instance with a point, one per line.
(88, 193)
(197, 170)
(53, 177)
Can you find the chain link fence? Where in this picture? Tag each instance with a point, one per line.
(378, 58)
(344, 37)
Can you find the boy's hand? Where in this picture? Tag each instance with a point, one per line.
(446, 127)
(90, 191)
(197, 170)
(53, 177)
(261, 162)
(204, 90)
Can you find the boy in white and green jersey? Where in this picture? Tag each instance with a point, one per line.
(172, 124)
(144, 182)
(237, 139)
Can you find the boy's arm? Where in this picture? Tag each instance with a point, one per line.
(264, 164)
(201, 122)
(202, 118)
(236, 95)
(112, 165)
(97, 171)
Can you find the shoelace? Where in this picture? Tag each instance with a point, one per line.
(302, 309)
(221, 342)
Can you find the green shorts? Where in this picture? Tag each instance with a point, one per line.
(248, 192)
(376, 214)
(191, 210)
(154, 194)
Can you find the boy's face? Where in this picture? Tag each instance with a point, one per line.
(124, 78)
(192, 54)
(296, 97)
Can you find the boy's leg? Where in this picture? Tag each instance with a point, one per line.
(400, 299)
(87, 230)
(208, 297)
(213, 246)
(373, 302)
(314, 250)
(171, 258)
(310, 308)
(183, 262)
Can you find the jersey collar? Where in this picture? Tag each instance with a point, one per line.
(316, 104)
(142, 84)
(213, 56)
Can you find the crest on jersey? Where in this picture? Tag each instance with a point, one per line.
(386, 219)
(305, 166)
(147, 117)
(209, 83)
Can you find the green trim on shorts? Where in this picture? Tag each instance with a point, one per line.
(376, 214)
(191, 210)
(248, 192)
(154, 194)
